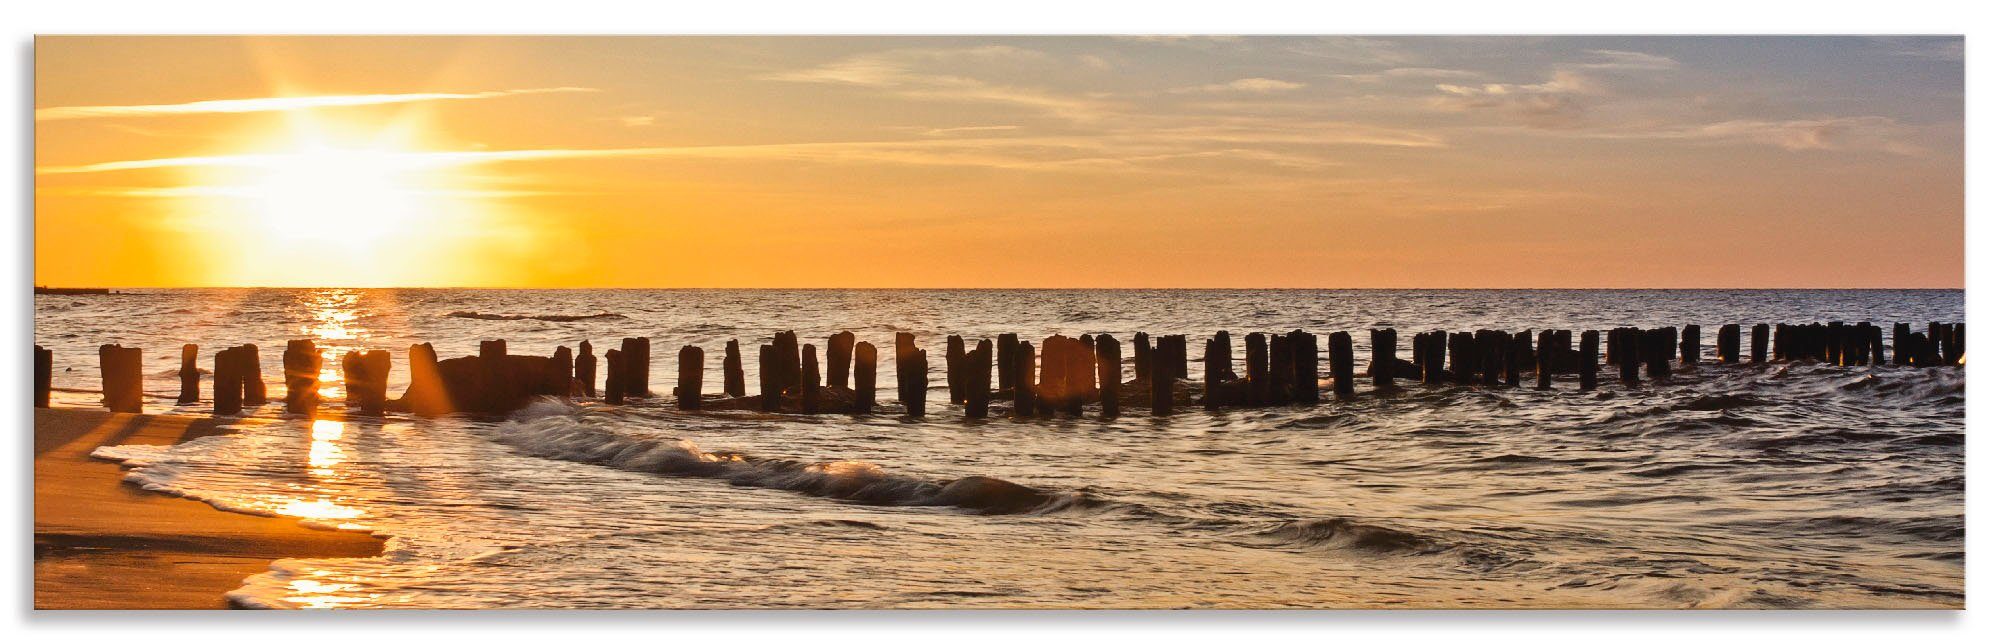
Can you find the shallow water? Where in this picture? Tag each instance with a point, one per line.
(1785, 485)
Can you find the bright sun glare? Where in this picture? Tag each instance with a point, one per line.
(354, 197)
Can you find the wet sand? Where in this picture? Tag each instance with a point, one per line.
(101, 543)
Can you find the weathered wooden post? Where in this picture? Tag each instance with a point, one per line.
(493, 365)
(228, 376)
(586, 368)
(1520, 353)
(1142, 356)
(1491, 345)
(954, 369)
(1586, 364)
(1179, 356)
(1760, 339)
(808, 380)
(1214, 363)
(367, 376)
(1664, 351)
(1625, 343)
(1899, 343)
(1545, 358)
(1875, 345)
(45, 373)
(687, 390)
(614, 376)
(190, 376)
(638, 357)
(864, 378)
(1054, 389)
(785, 348)
(1458, 348)
(1108, 374)
(839, 354)
(1690, 345)
(1306, 363)
(1728, 342)
(1340, 358)
(1025, 402)
(1082, 376)
(770, 390)
(978, 382)
(1256, 370)
(426, 395)
(302, 365)
(1163, 385)
(559, 373)
(1382, 357)
(912, 374)
(253, 377)
(1953, 342)
(1282, 369)
(1004, 357)
(732, 369)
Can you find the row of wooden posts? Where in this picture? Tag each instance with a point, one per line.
(1070, 372)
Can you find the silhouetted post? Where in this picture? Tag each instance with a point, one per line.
(785, 365)
(1663, 351)
(1492, 346)
(1214, 363)
(586, 368)
(1545, 357)
(1875, 345)
(1024, 387)
(367, 376)
(839, 353)
(912, 374)
(1459, 348)
(688, 390)
(190, 376)
(1899, 343)
(1178, 357)
(1142, 356)
(1586, 365)
(864, 378)
(1256, 370)
(1728, 343)
(732, 369)
(1340, 358)
(1163, 386)
(1432, 370)
(1760, 338)
(1690, 344)
(638, 358)
(1108, 374)
(1382, 357)
(1054, 390)
(1004, 357)
(426, 395)
(493, 366)
(1081, 378)
(302, 365)
(1952, 342)
(1958, 332)
(1282, 369)
(253, 377)
(768, 390)
(1520, 353)
(560, 372)
(1625, 344)
(614, 376)
(228, 377)
(1306, 364)
(45, 373)
(954, 369)
(808, 380)
(978, 382)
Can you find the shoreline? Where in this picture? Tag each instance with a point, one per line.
(101, 543)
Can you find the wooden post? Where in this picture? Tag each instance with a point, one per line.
(1728, 342)
(228, 376)
(1690, 345)
(1625, 343)
(45, 373)
(1178, 358)
(1545, 359)
(1899, 345)
(560, 373)
(912, 374)
(1142, 356)
(1004, 357)
(864, 378)
(426, 395)
(769, 392)
(1492, 346)
(978, 382)
(1520, 350)
(367, 376)
(1436, 348)
(253, 377)
(586, 368)
(638, 357)
(1025, 402)
(1108, 374)
(1081, 374)
(1306, 363)
(1257, 370)
(808, 380)
(1213, 364)
(1875, 345)
(1760, 339)
(1163, 386)
(732, 369)
(190, 376)
(1282, 369)
(1054, 389)
(1340, 358)
(1459, 349)
(839, 354)
(954, 369)
(1586, 365)
(302, 365)
(1382, 357)
(688, 390)
(1663, 351)
(614, 376)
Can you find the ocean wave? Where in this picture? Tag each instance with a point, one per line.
(545, 317)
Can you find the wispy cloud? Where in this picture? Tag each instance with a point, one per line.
(1557, 102)
(918, 74)
(1245, 85)
(1407, 72)
(276, 103)
(1869, 133)
(1627, 60)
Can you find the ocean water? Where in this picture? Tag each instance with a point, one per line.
(1769, 486)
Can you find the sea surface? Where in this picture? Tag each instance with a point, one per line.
(1746, 486)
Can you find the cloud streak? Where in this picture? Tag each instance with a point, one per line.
(277, 104)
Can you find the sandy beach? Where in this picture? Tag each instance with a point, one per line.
(103, 544)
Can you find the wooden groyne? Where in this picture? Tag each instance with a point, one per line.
(1058, 376)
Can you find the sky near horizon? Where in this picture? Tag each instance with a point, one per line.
(1439, 162)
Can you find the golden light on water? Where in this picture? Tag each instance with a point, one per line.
(325, 452)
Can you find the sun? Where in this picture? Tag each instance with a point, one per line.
(351, 192)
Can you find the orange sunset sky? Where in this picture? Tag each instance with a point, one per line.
(1000, 162)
